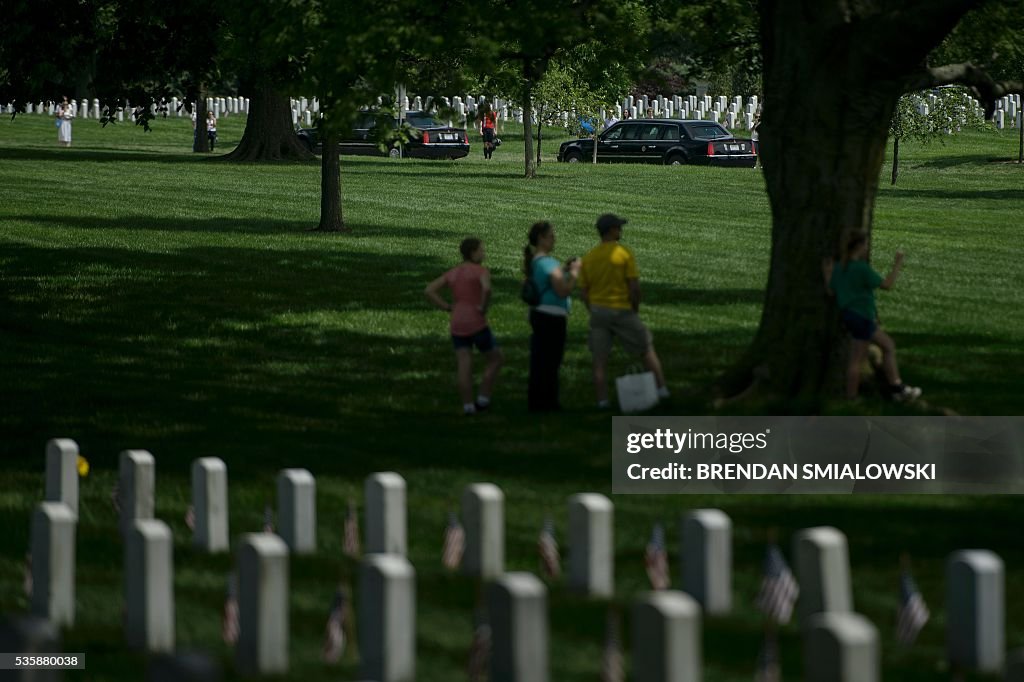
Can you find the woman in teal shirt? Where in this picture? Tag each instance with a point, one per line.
(549, 318)
(853, 282)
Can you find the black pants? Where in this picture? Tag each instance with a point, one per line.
(547, 347)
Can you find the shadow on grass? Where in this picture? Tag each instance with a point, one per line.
(96, 154)
(962, 160)
(1015, 195)
(240, 226)
(263, 356)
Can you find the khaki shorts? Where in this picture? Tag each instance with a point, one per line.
(608, 323)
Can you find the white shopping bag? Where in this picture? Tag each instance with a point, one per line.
(637, 392)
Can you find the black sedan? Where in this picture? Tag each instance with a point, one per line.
(662, 140)
(431, 140)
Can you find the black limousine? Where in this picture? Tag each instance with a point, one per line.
(432, 140)
(663, 140)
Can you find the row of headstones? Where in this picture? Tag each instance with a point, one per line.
(732, 113)
(839, 644)
(220, 106)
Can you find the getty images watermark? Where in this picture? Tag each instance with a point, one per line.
(757, 455)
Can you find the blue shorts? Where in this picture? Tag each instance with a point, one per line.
(861, 328)
(483, 340)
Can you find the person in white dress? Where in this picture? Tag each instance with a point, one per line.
(63, 116)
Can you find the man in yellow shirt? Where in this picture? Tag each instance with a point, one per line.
(610, 288)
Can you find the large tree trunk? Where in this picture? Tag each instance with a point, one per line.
(833, 74)
(531, 168)
(200, 143)
(823, 134)
(268, 135)
(895, 159)
(330, 185)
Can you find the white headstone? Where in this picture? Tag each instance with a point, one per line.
(96, 108)
(592, 545)
(385, 513)
(975, 611)
(387, 618)
(518, 612)
(841, 647)
(62, 472)
(1000, 119)
(210, 501)
(666, 638)
(53, 563)
(823, 572)
(296, 510)
(149, 586)
(707, 559)
(483, 518)
(137, 477)
(262, 605)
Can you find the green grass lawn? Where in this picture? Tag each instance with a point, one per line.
(156, 299)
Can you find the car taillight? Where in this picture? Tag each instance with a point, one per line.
(426, 137)
(465, 138)
(711, 148)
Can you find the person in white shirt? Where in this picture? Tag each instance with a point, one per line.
(63, 116)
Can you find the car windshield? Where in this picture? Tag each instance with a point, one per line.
(710, 131)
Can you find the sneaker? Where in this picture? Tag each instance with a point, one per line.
(905, 394)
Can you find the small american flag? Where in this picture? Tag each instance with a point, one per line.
(779, 590)
(913, 613)
(768, 660)
(190, 517)
(268, 519)
(27, 581)
(350, 544)
(454, 543)
(115, 496)
(547, 547)
(611, 658)
(656, 559)
(479, 649)
(229, 621)
(334, 634)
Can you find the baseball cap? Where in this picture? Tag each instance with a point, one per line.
(608, 221)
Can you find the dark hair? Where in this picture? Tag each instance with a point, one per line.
(537, 231)
(469, 246)
(853, 241)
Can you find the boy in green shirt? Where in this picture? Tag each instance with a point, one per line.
(853, 282)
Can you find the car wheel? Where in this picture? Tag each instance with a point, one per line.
(573, 157)
(395, 153)
(675, 160)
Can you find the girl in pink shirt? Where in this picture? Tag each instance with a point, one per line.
(470, 285)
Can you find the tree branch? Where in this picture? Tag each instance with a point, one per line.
(977, 80)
